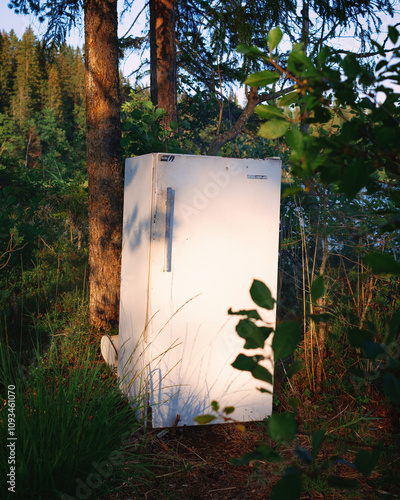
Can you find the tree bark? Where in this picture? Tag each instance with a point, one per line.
(104, 160)
(322, 326)
(163, 57)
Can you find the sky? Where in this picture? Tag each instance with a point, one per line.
(19, 23)
(9, 20)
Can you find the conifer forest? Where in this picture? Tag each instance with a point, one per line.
(250, 79)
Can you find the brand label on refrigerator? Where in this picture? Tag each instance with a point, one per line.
(257, 176)
(167, 158)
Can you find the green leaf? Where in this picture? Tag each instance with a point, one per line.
(266, 331)
(382, 263)
(274, 37)
(261, 295)
(250, 364)
(262, 452)
(248, 50)
(261, 389)
(273, 129)
(298, 61)
(148, 105)
(289, 486)
(282, 427)
(267, 112)
(125, 141)
(295, 367)
(204, 419)
(321, 115)
(357, 337)
(262, 78)
(215, 405)
(251, 314)
(229, 409)
(393, 34)
(291, 191)
(394, 328)
(391, 387)
(373, 350)
(246, 363)
(287, 336)
(251, 333)
(159, 112)
(261, 373)
(288, 99)
(380, 65)
(173, 125)
(350, 66)
(366, 461)
(296, 140)
(317, 288)
(323, 55)
(316, 441)
(147, 119)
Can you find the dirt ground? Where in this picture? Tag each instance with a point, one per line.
(192, 463)
(197, 464)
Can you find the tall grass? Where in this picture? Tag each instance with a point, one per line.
(72, 424)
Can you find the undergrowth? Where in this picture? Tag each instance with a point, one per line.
(76, 434)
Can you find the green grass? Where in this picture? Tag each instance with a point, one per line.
(72, 424)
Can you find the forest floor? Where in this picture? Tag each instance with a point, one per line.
(193, 463)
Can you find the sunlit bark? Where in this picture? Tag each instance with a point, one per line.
(163, 57)
(104, 161)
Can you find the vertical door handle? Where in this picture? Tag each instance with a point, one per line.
(168, 228)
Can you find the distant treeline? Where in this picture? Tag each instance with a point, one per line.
(42, 172)
(35, 75)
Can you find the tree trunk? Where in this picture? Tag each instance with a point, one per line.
(305, 38)
(163, 57)
(321, 302)
(104, 160)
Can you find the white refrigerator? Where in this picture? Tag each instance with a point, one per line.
(197, 231)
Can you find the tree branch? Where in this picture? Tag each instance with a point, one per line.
(253, 100)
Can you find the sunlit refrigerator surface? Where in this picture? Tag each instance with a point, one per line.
(197, 231)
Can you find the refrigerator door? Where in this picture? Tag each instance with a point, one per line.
(214, 228)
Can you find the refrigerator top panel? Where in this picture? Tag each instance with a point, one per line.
(197, 231)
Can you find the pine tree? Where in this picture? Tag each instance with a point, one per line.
(7, 69)
(28, 85)
(79, 109)
(54, 97)
(65, 66)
